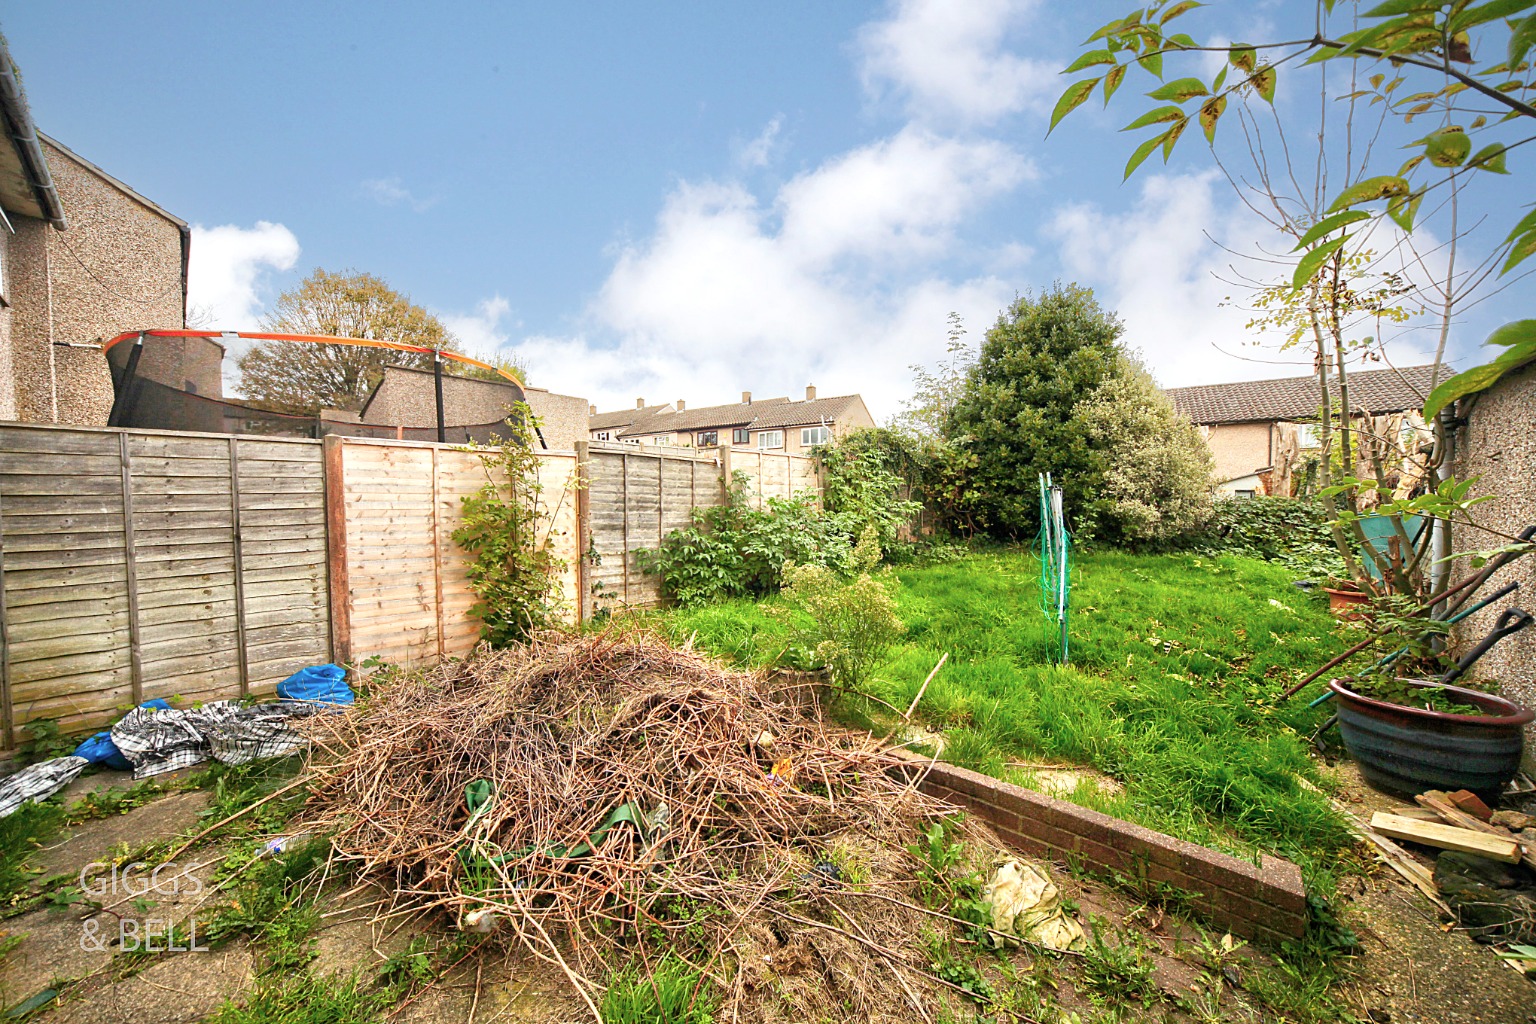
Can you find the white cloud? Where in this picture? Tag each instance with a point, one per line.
(392, 192)
(482, 331)
(228, 272)
(759, 152)
(1156, 268)
(814, 288)
(946, 60)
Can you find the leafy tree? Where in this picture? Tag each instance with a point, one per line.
(302, 377)
(1460, 69)
(1157, 481)
(1042, 359)
(936, 391)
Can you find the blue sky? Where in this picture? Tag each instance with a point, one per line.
(667, 201)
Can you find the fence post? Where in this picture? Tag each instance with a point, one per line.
(234, 529)
(724, 459)
(437, 559)
(6, 719)
(624, 504)
(336, 551)
(583, 533)
(131, 569)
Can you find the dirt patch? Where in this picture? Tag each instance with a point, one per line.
(96, 840)
(179, 989)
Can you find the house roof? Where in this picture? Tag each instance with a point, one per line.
(25, 184)
(1295, 398)
(759, 414)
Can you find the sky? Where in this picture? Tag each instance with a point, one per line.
(669, 201)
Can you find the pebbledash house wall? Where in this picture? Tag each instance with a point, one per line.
(1498, 445)
(562, 418)
(119, 266)
(1239, 449)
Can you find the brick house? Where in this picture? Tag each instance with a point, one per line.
(407, 397)
(1260, 430)
(82, 257)
(770, 424)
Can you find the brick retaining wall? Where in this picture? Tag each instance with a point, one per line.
(1267, 902)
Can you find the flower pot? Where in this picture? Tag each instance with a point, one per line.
(1405, 751)
(1346, 603)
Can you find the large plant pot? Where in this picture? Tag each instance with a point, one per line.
(1405, 751)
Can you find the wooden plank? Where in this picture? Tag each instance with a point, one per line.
(27, 652)
(437, 557)
(216, 449)
(58, 486)
(136, 664)
(336, 550)
(87, 618)
(7, 731)
(1452, 814)
(145, 486)
(27, 438)
(52, 523)
(239, 560)
(1446, 837)
(57, 464)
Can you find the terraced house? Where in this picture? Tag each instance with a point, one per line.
(767, 424)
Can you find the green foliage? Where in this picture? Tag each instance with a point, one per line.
(44, 741)
(967, 977)
(1043, 358)
(21, 833)
(1157, 481)
(512, 570)
(736, 550)
(1291, 531)
(673, 993)
(301, 998)
(861, 488)
(936, 391)
(1120, 971)
(847, 626)
(269, 904)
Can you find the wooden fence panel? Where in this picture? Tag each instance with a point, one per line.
(138, 564)
(401, 589)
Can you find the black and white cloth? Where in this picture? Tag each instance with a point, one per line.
(158, 740)
(258, 732)
(38, 781)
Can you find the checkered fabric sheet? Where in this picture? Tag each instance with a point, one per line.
(156, 740)
(38, 782)
(258, 732)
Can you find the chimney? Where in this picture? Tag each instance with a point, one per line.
(639, 403)
(810, 392)
(681, 405)
(591, 410)
(746, 398)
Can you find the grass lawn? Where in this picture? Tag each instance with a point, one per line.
(1176, 660)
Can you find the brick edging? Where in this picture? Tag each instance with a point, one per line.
(1267, 902)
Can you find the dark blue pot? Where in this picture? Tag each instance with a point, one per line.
(1405, 751)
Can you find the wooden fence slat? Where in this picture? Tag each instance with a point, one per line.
(135, 659)
(6, 723)
(239, 560)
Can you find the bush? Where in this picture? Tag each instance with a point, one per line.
(1290, 531)
(1157, 482)
(861, 485)
(735, 550)
(847, 626)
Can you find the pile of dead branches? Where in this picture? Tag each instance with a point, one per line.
(577, 791)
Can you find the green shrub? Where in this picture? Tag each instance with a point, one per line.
(860, 486)
(1290, 531)
(847, 626)
(735, 550)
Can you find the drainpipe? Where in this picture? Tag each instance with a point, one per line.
(1440, 536)
(437, 383)
(23, 134)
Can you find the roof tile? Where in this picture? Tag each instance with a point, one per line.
(1295, 398)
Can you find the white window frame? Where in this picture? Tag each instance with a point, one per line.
(823, 435)
(767, 439)
(1309, 435)
(603, 435)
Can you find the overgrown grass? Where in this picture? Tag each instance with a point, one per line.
(1176, 661)
(673, 993)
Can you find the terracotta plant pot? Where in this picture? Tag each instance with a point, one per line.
(1346, 603)
(1404, 750)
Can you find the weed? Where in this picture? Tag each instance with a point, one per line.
(967, 977)
(234, 787)
(1119, 971)
(270, 906)
(44, 741)
(300, 998)
(672, 994)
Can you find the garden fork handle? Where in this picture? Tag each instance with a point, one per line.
(1513, 620)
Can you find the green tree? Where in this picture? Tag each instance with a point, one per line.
(936, 391)
(302, 377)
(1042, 359)
(1157, 479)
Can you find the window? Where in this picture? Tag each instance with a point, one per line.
(741, 435)
(1244, 494)
(661, 439)
(810, 436)
(706, 437)
(605, 435)
(770, 439)
(1309, 435)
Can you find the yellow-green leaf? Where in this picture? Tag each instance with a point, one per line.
(1180, 90)
(1448, 147)
(1070, 100)
(1491, 158)
(1142, 152)
(1172, 135)
(1403, 209)
(1328, 225)
(1524, 224)
(1519, 339)
(1210, 113)
(1153, 62)
(1522, 39)
(1177, 9)
(1314, 260)
(1112, 81)
(1243, 57)
(1522, 250)
(1474, 16)
(1089, 59)
(1156, 116)
(1410, 164)
(1264, 81)
(1384, 187)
